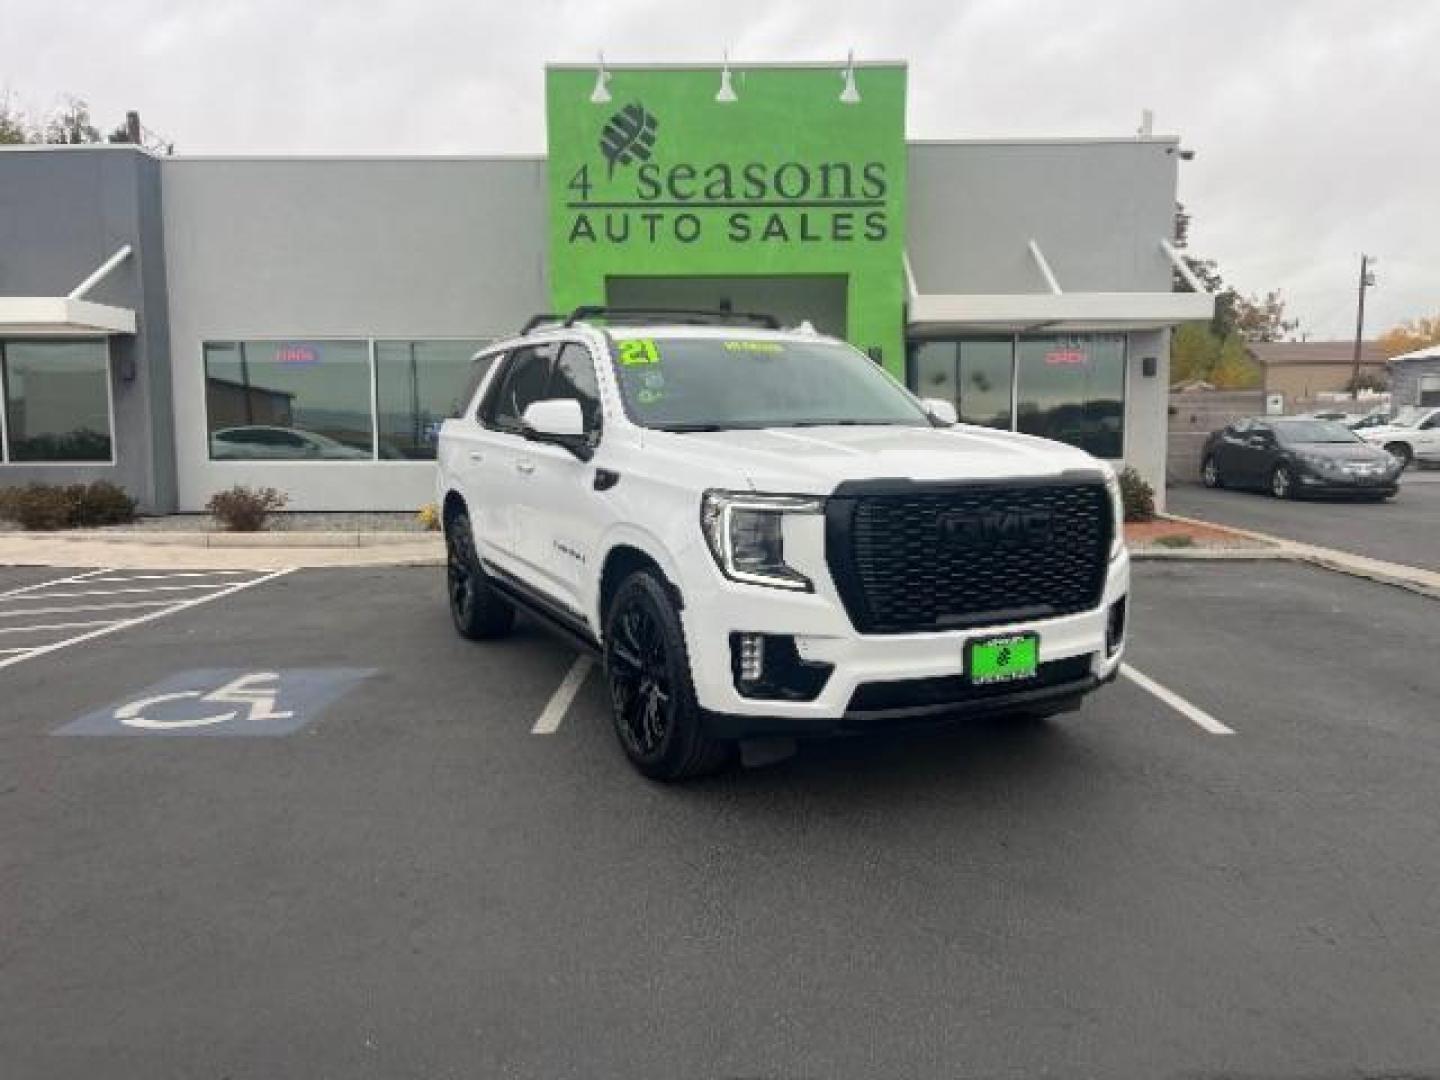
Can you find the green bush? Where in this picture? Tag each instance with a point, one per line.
(1136, 495)
(245, 509)
(67, 506)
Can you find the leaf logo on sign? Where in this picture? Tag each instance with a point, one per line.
(628, 136)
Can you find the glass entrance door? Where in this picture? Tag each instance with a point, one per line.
(976, 375)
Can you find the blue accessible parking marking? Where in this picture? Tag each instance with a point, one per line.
(223, 702)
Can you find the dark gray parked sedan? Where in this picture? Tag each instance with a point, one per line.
(1292, 457)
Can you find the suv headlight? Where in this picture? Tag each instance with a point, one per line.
(746, 536)
(1117, 511)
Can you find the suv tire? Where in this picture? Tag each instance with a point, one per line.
(1210, 473)
(478, 610)
(652, 698)
(1402, 453)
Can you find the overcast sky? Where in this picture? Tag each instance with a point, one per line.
(1316, 123)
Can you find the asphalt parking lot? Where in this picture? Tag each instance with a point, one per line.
(1406, 529)
(401, 880)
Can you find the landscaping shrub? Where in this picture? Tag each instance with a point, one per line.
(103, 503)
(1136, 495)
(429, 516)
(67, 506)
(245, 509)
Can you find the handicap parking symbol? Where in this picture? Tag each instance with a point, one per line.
(223, 702)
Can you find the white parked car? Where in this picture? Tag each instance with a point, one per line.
(1412, 436)
(764, 534)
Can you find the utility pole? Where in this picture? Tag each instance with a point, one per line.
(1367, 279)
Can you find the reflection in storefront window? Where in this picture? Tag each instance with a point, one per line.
(1072, 388)
(288, 400)
(56, 400)
(418, 385)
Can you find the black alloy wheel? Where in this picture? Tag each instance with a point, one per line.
(1210, 473)
(652, 699)
(477, 610)
(1282, 482)
(1401, 452)
(640, 687)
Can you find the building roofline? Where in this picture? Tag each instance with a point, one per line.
(1055, 140)
(716, 65)
(355, 157)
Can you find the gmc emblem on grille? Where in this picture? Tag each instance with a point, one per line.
(996, 528)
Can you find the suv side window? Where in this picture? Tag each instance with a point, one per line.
(479, 367)
(574, 377)
(524, 381)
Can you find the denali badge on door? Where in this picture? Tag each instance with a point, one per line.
(1002, 659)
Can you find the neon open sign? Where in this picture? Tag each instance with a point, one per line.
(1065, 356)
(297, 354)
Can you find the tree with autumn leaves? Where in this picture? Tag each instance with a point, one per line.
(1217, 351)
(1411, 336)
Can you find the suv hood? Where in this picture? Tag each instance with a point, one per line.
(813, 460)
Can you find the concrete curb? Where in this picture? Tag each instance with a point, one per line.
(157, 538)
(1411, 578)
(220, 551)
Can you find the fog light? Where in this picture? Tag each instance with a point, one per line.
(752, 657)
(1115, 627)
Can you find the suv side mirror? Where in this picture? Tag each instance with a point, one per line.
(940, 411)
(559, 421)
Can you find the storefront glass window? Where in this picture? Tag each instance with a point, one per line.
(419, 384)
(974, 374)
(57, 400)
(289, 400)
(1072, 388)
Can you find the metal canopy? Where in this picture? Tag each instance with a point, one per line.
(1055, 309)
(71, 315)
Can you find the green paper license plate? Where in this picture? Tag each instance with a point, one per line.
(1002, 659)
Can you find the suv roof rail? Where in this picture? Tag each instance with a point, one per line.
(694, 316)
(539, 320)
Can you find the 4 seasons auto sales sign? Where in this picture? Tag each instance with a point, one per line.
(663, 180)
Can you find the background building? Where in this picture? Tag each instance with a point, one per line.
(180, 325)
(1301, 370)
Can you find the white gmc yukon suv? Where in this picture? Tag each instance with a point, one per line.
(765, 535)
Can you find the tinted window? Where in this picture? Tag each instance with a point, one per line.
(574, 377)
(688, 383)
(316, 392)
(526, 380)
(1315, 431)
(975, 375)
(1072, 388)
(56, 400)
(417, 385)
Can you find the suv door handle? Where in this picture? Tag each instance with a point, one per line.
(525, 465)
(476, 455)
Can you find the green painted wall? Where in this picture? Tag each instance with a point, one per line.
(788, 180)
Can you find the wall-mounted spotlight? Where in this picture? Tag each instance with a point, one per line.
(850, 95)
(726, 94)
(601, 94)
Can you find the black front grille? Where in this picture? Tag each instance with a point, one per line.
(911, 557)
(957, 690)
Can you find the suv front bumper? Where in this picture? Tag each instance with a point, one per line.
(884, 680)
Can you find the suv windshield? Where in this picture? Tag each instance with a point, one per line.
(704, 384)
(1314, 431)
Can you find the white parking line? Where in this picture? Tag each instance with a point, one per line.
(15, 613)
(149, 616)
(52, 581)
(1191, 712)
(122, 592)
(559, 705)
(54, 626)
